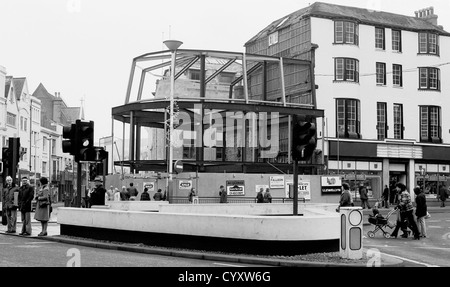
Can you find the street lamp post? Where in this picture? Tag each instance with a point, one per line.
(172, 45)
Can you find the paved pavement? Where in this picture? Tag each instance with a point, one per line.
(53, 231)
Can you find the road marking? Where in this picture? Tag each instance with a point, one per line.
(27, 246)
(410, 260)
(434, 226)
(431, 247)
(384, 246)
(228, 265)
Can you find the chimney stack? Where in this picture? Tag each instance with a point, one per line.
(428, 15)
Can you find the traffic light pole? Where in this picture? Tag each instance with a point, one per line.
(78, 202)
(295, 187)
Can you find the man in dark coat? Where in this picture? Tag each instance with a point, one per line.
(26, 195)
(98, 195)
(442, 195)
(10, 204)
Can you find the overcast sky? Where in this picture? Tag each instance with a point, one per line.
(84, 49)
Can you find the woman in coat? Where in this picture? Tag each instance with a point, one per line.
(42, 213)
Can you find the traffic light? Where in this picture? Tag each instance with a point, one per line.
(85, 138)
(92, 171)
(6, 157)
(95, 153)
(303, 140)
(69, 143)
(79, 138)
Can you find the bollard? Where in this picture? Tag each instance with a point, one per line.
(350, 243)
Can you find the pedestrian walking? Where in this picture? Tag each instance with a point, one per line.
(11, 203)
(421, 211)
(158, 196)
(26, 195)
(385, 197)
(133, 192)
(406, 209)
(267, 196)
(223, 194)
(145, 196)
(364, 197)
(42, 213)
(442, 195)
(260, 196)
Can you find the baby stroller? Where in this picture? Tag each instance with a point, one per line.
(380, 223)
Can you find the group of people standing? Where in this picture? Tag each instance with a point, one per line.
(99, 195)
(20, 199)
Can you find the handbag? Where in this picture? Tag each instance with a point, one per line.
(43, 203)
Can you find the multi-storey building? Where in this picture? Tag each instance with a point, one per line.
(381, 82)
(54, 115)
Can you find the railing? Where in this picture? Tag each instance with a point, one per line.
(231, 199)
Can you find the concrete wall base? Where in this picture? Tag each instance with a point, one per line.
(215, 244)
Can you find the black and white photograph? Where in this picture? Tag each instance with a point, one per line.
(235, 136)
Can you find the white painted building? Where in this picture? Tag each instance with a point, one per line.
(381, 82)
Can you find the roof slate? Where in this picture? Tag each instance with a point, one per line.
(362, 15)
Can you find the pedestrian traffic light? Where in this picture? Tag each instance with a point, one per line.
(303, 140)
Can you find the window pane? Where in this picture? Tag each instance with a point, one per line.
(423, 43)
(423, 78)
(397, 75)
(434, 122)
(339, 69)
(432, 43)
(398, 119)
(350, 70)
(349, 33)
(379, 38)
(433, 79)
(351, 116)
(396, 44)
(381, 70)
(339, 31)
(424, 122)
(381, 121)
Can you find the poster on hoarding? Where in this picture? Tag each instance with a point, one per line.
(304, 189)
(185, 184)
(331, 184)
(277, 181)
(235, 187)
(150, 186)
